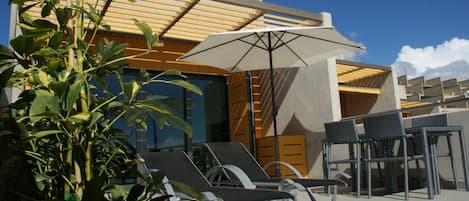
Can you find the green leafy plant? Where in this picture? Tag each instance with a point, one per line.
(65, 112)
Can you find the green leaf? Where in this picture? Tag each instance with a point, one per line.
(22, 44)
(27, 18)
(55, 40)
(74, 93)
(187, 189)
(114, 104)
(135, 192)
(5, 76)
(153, 106)
(59, 87)
(41, 77)
(80, 117)
(26, 8)
(179, 123)
(144, 73)
(62, 15)
(173, 72)
(39, 37)
(106, 27)
(43, 100)
(135, 88)
(42, 134)
(71, 197)
(127, 89)
(46, 9)
(182, 83)
(147, 33)
(6, 53)
(95, 116)
(44, 24)
(118, 192)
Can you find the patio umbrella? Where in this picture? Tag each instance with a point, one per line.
(270, 48)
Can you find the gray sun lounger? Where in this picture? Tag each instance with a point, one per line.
(233, 153)
(178, 167)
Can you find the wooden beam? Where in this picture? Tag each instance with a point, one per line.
(184, 12)
(274, 8)
(363, 90)
(249, 21)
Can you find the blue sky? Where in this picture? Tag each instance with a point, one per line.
(420, 37)
(408, 34)
(4, 22)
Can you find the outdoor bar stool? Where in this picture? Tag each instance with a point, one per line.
(340, 133)
(389, 127)
(439, 120)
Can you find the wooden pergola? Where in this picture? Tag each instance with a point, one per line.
(194, 20)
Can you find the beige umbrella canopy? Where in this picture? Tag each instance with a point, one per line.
(270, 48)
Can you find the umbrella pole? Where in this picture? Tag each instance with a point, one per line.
(274, 110)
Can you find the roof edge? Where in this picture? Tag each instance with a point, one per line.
(274, 8)
(346, 62)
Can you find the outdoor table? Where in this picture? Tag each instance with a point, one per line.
(429, 131)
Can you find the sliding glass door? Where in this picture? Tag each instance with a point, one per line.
(207, 114)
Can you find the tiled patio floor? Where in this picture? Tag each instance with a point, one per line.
(417, 195)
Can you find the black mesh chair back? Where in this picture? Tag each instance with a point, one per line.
(236, 154)
(432, 120)
(383, 126)
(177, 167)
(341, 132)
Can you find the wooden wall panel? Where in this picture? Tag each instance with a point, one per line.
(291, 149)
(161, 58)
(238, 106)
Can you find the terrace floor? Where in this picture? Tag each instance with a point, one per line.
(417, 195)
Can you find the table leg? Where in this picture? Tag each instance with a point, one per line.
(428, 175)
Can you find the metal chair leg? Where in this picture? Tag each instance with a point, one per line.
(406, 168)
(451, 157)
(368, 151)
(328, 148)
(436, 176)
(428, 166)
(417, 164)
(380, 172)
(358, 157)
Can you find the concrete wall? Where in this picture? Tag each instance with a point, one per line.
(306, 98)
(387, 100)
(389, 97)
(310, 99)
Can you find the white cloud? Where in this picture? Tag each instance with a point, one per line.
(427, 58)
(355, 55)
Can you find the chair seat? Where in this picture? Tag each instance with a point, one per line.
(307, 183)
(236, 194)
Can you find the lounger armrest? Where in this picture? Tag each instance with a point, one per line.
(209, 196)
(293, 169)
(237, 172)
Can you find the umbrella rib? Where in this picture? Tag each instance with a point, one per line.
(285, 43)
(246, 53)
(263, 42)
(327, 40)
(281, 36)
(291, 50)
(254, 44)
(221, 44)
